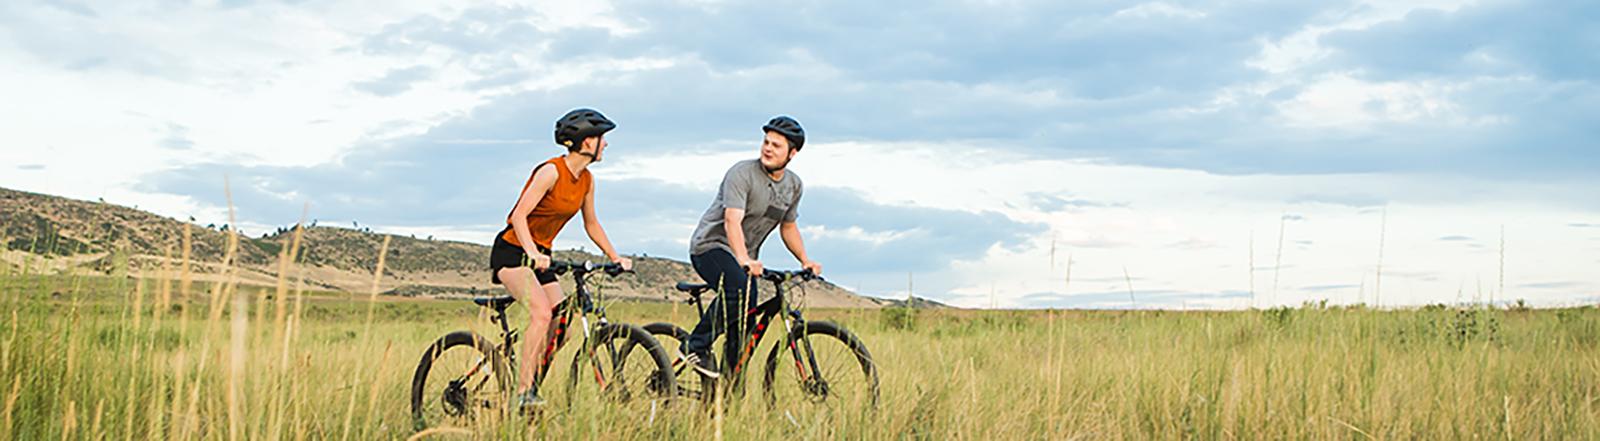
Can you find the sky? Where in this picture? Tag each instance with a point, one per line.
(1013, 154)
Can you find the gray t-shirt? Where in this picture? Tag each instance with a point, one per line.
(766, 204)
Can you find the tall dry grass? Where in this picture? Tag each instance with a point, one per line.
(78, 368)
(167, 357)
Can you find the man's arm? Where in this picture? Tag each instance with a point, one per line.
(733, 223)
(790, 232)
(735, 192)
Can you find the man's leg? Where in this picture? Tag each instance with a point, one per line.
(738, 322)
(719, 269)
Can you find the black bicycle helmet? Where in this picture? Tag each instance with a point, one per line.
(581, 123)
(789, 128)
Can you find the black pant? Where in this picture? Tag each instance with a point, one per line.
(737, 296)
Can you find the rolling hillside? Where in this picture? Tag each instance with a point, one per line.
(44, 233)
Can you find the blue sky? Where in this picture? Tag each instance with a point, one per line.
(974, 145)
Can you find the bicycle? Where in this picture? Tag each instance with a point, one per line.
(831, 365)
(639, 367)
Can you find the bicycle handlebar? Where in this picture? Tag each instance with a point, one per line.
(784, 276)
(611, 269)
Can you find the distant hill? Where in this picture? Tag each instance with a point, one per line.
(60, 234)
(916, 302)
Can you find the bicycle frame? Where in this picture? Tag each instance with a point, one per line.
(792, 319)
(581, 303)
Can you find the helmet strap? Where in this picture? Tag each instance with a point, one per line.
(585, 153)
(770, 170)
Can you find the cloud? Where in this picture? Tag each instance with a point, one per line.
(1078, 80)
(1345, 199)
(1194, 243)
(395, 81)
(1048, 79)
(1529, 69)
(711, 64)
(177, 137)
(72, 7)
(1420, 275)
(1584, 225)
(1394, 112)
(1052, 203)
(30, 167)
(1095, 240)
(1455, 238)
(1115, 279)
(477, 30)
(884, 40)
(913, 238)
(75, 37)
(1141, 299)
(1158, 9)
(1324, 288)
(1551, 40)
(436, 179)
(1564, 285)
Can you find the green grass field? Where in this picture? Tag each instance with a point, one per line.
(110, 358)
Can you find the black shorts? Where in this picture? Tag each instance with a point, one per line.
(506, 255)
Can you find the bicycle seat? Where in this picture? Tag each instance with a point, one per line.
(694, 289)
(497, 303)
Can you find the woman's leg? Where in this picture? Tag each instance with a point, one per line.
(540, 325)
(520, 281)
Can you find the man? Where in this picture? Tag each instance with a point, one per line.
(756, 196)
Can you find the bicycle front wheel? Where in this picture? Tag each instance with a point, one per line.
(821, 370)
(624, 365)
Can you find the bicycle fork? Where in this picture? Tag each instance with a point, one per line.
(803, 354)
(590, 347)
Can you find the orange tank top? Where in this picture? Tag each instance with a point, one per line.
(563, 200)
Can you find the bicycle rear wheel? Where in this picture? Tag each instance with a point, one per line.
(821, 371)
(690, 383)
(462, 380)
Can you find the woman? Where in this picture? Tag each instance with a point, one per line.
(557, 189)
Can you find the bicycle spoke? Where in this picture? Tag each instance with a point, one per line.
(838, 387)
(624, 373)
(460, 387)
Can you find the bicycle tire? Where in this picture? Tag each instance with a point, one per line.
(613, 375)
(672, 337)
(498, 375)
(837, 352)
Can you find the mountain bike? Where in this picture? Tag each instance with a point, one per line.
(464, 376)
(817, 362)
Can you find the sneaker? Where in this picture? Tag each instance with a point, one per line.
(530, 400)
(701, 365)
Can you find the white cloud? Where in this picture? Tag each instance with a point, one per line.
(1303, 48)
(107, 99)
(260, 84)
(855, 233)
(1189, 231)
(1158, 9)
(1343, 101)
